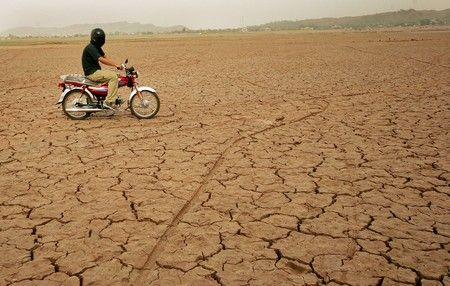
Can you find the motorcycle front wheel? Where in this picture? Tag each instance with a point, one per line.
(76, 100)
(146, 106)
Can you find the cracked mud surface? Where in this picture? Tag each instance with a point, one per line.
(293, 159)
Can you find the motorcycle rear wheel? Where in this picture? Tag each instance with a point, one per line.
(71, 100)
(146, 107)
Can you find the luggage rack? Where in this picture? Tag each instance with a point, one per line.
(78, 78)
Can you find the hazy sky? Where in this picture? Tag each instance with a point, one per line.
(192, 13)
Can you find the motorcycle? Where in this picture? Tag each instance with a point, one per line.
(81, 97)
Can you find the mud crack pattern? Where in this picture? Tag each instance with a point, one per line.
(293, 159)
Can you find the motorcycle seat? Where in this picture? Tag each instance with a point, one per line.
(78, 78)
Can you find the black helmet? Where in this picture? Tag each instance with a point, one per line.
(98, 37)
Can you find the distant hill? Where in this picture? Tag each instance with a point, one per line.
(389, 19)
(85, 29)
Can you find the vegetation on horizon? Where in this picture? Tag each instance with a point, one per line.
(390, 19)
(400, 18)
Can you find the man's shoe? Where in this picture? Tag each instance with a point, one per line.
(107, 105)
(119, 101)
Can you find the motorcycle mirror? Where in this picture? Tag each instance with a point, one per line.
(126, 61)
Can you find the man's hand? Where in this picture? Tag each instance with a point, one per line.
(109, 62)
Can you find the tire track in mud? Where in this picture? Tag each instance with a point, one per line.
(22, 87)
(403, 57)
(426, 62)
(158, 248)
(14, 101)
(4, 53)
(12, 55)
(441, 56)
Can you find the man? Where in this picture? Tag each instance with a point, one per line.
(92, 55)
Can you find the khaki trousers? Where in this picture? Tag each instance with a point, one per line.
(103, 76)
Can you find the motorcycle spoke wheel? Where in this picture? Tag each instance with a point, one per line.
(76, 99)
(145, 107)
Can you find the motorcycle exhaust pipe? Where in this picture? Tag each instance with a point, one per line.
(84, 109)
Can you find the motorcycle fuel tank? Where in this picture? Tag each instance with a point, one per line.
(123, 81)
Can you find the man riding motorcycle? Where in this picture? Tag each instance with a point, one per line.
(92, 55)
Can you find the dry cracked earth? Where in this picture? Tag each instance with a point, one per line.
(279, 158)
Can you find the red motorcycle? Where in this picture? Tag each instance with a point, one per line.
(81, 97)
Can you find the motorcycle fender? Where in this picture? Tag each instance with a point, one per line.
(67, 90)
(141, 88)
